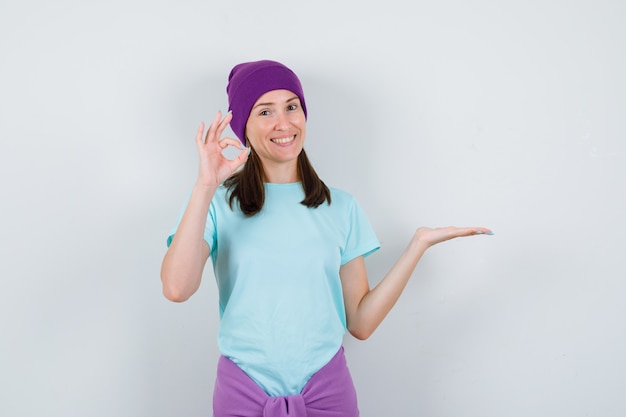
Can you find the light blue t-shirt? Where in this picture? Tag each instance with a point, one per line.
(282, 315)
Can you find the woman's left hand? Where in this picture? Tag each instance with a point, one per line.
(431, 236)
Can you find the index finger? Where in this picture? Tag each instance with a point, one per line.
(482, 231)
(217, 126)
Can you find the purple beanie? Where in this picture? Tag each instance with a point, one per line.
(250, 80)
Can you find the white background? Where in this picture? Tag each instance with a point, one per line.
(509, 115)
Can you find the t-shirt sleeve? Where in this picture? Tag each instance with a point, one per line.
(361, 239)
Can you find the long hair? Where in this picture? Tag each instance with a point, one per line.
(247, 185)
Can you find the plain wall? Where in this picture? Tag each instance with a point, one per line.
(509, 115)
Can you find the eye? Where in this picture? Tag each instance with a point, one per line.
(264, 113)
(292, 107)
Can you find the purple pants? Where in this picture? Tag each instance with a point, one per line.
(329, 393)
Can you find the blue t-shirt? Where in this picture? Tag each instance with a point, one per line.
(282, 314)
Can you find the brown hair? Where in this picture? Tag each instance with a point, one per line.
(247, 185)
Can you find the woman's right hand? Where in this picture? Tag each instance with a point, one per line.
(214, 166)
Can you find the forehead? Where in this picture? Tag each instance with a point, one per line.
(276, 97)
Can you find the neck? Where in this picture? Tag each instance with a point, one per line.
(281, 173)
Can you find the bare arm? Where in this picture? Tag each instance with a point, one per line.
(184, 261)
(365, 308)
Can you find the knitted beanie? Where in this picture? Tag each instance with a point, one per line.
(250, 80)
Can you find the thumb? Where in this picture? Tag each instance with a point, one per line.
(241, 158)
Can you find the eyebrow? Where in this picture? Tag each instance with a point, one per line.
(271, 103)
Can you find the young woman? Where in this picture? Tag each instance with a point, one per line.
(288, 255)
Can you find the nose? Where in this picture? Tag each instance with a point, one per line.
(282, 121)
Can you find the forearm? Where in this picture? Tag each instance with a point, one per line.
(376, 304)
(184, 261)
(365, 308)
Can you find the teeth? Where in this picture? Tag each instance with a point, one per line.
(283, 140)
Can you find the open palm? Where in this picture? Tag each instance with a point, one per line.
(432, 236)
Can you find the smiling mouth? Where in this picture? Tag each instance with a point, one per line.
(282, 141)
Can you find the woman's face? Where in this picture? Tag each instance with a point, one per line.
(276, 127)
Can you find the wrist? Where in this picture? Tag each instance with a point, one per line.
(419, 243)
(206, 189)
